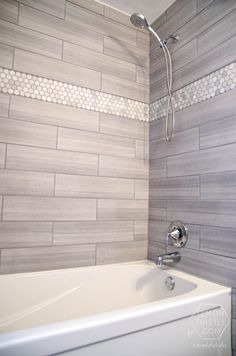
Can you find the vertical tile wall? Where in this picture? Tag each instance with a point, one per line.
(73, 182)
(193, 178)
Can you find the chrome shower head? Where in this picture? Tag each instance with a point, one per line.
(139, 21)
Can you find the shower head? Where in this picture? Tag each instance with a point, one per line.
(139, 21)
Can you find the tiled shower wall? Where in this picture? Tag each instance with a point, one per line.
(193, 178)
(73, 135)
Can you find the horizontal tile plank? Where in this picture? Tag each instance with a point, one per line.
(48, 209)
(91, 5)
(26, 183)
(52, 26)
(55, 161)
(218, 132)
(218, 186)
(2, 154)
(9, 10)
(121, 252)
(122, 209)
(185, 141)
(141, 230)
(114, 125)
(157, 209)
(100, 24)
(53, 114)
(69, 233)
(98, 61)
(20, 37)
(4, 104)
(46, 258)
(218, 159)
(25, 234)
(55, 69)
(117, 15)
(217, 240)
(129, 89)
(141, 188)
(6, 56)
(175, 188)
(213, 212)
(56, 8)
(26, 133)
(142, 150)
(76, 140)
(93, 187)
(157, 168)
(123, 167)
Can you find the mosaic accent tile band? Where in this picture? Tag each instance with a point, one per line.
(31, 86)
(216, 83)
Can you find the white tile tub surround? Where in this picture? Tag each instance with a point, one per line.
(53, 91)
(218, 82)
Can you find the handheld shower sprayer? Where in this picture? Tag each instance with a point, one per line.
(140, 21)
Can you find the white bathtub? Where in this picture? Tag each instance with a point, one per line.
(118, 310)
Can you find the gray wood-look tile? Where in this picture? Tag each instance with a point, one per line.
(91, 142)
(59, 28)
(111, 209)
(142, 150)
(125, 51)
(69, 233)
(91, 5)
(213, 212)
(17, 36)
(177, 8)
(201, 4)
(157, 209)
(218, 133)
(4, 104)
(157, 168)
(234, 303)
(217, 34)
(98, 61)
(55, 161)
(26, 183)
(53, 114)
(218, 186)
(157, 129)
(9, 10)
(234, 334)
(46, 258)
(217, 159)
(143, 41)
(128, 88)
(218, 269)
(185, 141)
(141, 230)
(118, 16)
(2, 154)
(115, 125)
(142, 75)
(219, 241)
(97, 23)
(27, 208)
(55, 69)
(1, 202)
(175, 188)
(154, 249)
(121, 252)
(25, 234)
(56, 8)
(6, 56)
(94, 187)
(219, 107)
(26, 133)
(123, 167)
(158, 89)
(141, 188)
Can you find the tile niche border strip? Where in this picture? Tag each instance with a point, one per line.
(213, 84)
(52, 91)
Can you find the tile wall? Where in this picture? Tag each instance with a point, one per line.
(74, 98)
(193, 178)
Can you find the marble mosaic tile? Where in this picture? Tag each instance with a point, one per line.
(203, 89)
(31, 86)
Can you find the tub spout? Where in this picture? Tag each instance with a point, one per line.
(173, 257)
